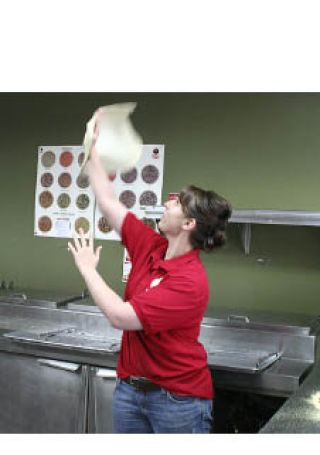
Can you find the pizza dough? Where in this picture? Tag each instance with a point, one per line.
(118, 145)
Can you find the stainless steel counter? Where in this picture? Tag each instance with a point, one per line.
(301, 412)
(47, 319)
(248, 352)
(52, 377)
(79, 333)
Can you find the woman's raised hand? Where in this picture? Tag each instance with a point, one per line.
(83, 252)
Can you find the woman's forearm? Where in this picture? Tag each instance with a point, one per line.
(108, 203)
(120, 314)
(100, 184)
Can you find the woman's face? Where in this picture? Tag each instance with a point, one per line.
(173, 217)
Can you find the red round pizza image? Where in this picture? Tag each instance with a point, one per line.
(66, 159)
(45, 224)
(64, 179)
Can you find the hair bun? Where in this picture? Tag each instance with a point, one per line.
(211, 212)
(220, 238)
(225, 213)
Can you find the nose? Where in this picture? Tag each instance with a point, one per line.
(166, 204)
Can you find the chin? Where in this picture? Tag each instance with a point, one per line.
(162, 225)
(160, 229)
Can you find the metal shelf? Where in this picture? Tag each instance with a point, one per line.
(246, 217)
(287, 217)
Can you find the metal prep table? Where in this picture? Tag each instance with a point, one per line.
(260, 353)
(38, 393)
(258, 360)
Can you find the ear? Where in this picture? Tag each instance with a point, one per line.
(189, 224)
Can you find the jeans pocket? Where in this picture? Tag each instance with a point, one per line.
(207, 409)
(178, 399)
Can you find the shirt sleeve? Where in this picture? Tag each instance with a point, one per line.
(174, 304)
(137, 236)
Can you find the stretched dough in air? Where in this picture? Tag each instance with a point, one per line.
(118, 145)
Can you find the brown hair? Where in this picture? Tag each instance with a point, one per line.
(211, 213)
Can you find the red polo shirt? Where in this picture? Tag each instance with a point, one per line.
(169, 298)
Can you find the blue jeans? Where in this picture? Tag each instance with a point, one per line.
(159, 411)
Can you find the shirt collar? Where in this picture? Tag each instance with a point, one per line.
(169, 265)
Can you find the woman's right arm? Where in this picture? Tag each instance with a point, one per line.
(110, 206)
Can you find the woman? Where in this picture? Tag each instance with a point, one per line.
(164, 384)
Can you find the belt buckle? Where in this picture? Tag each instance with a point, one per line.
(137, 383)
(133, 382)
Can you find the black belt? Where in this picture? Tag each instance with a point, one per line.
(141, 384)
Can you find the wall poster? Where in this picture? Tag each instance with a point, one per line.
(64, 201)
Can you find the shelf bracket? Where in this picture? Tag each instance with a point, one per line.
(246, 237)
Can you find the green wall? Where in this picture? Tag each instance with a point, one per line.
(258, 150)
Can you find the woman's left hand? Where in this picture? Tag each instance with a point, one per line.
(83, 253)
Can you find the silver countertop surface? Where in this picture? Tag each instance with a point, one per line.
(32, 319)
(301, 412)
